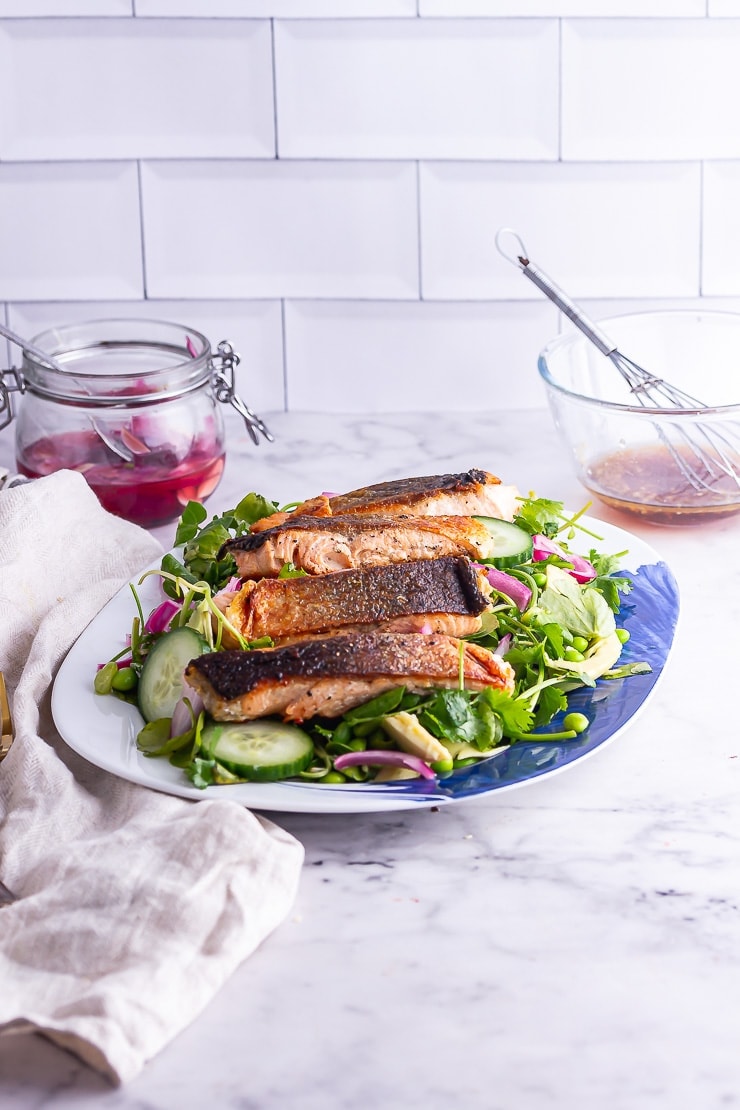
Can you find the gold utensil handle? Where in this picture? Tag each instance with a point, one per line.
(6, 721)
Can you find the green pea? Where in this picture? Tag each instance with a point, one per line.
(623, 635)
(442, 766)
(103, 683)
(573, 655)
(540, 579)
(124, 679)
(580, 643)
(576, 722)
(334, 777)
(357, 745)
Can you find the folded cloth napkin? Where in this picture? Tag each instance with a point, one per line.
(133, 906)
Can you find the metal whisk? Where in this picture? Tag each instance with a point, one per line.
(703, 455)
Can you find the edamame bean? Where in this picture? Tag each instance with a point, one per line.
(124, 680)
(575, 722)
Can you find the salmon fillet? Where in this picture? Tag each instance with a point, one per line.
(472, 493)
(320, 545)
(447, 594)
(326, 677)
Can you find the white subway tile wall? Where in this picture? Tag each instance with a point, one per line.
(321, 181)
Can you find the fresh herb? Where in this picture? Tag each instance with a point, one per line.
(202, 542)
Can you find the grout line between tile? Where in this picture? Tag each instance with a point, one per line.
(560, 90)
(701, 229)
(274, 90)
(286, 405)
(142, 238)
(419, 262)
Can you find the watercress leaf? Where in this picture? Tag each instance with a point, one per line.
(376, 707)
(253, 507)
(553, 633)
(153, 736)
(610, 588)
(192, 517)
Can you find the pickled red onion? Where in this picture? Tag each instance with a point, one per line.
(582, 571)
(159, 618)
(384, 759)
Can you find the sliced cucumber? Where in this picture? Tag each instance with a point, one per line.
(512, 546)
(160, 684)
(262, 750)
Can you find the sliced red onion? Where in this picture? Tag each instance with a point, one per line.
(426, 629)
(120, 663)
(385, 759)
(504, 644)
(159, 619)
(133, 442)
(505, 583)
(232, 587)
(582, 571)
(329, 493)
(181, 718)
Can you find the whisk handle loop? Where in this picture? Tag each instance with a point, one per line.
(591, 330)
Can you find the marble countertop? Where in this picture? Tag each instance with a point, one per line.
(571, 944)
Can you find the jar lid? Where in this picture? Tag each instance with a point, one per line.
(114, 362)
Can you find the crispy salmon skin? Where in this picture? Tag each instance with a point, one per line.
(328, 676)
(471, 493)
(446, 594)
(320, 545)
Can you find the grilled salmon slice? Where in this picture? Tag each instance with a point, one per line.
(447, 594)
(320, 545)
(327, 676)
(472, 493)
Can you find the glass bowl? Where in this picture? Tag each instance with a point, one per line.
(668, 465)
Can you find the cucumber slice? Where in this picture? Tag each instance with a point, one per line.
(512, 546)
(160, 684)
(262, 751)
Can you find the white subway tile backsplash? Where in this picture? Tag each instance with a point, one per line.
(69, 230)
(598, 230)
(650, 89)
(254, 328)
(286, 9)
(721, 238)
(265, 229)
(417, 88)
(417, 357)
(563, 8)
(135, 88)
(338, 169)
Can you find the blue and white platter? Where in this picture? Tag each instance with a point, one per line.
(103, 729)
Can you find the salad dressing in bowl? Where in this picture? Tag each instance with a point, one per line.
(665, 465)
(647, 481)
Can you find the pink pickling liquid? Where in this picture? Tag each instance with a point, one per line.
(151, 490)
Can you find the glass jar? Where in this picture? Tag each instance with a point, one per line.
(130, 404)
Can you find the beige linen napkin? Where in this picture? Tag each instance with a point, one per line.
(134, 906)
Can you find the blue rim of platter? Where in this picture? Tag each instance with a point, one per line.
(103, 730)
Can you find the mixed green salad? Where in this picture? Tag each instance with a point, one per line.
(552, 618)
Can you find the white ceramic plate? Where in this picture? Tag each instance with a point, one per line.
(104, 729)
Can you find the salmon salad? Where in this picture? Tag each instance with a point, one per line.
(406, 629)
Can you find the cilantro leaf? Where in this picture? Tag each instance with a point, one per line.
(539, 515)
